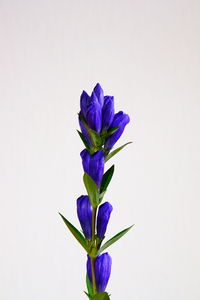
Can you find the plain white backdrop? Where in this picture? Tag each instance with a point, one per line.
(146, 54)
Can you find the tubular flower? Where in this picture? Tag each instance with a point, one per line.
(84, 212)
(120, 119)
(91, 108)
(94, 113)
(103, 217)
(84, 102)
(102, 271)
(99, 93)
(93, 165)
(107, 112)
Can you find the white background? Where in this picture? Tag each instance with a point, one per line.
(146, 54)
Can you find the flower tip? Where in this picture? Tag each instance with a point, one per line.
(108, 206)
(84, 94)
(106, 254)
(94, 96)
(98, 86)
(83, 152)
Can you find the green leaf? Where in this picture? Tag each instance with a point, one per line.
(89, 286)
(83, 139)
(114, 239)
(101, 296)
(101, 196)
(111, 154)
(106, 179)
(87, 295)
(112, 130)
(95, 137)
(76, 233)
(92, 189)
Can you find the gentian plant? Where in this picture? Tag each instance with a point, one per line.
(100, 128)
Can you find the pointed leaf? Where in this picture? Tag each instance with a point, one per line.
(111, 154)
(101, 196)
(112, 130)
(92, 189)
(89, 286)
(83, 139)
(114, 239)
(87, 294)
(95, 137)
(106, 179)
(101, 296)
(76, 233)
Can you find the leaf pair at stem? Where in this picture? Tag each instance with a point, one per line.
(83, 242)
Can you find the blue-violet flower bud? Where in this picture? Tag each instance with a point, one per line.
(94, 114)
(84, 103)
(84, 211)
(103, 217)
(93, 165)
(102, 271)
(120, 119)
(91, 108)
(99, 93)
(107, 112)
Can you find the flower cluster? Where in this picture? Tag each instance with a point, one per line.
(101, 128)
(97, 115)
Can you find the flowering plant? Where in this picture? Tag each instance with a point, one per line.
(101, 128)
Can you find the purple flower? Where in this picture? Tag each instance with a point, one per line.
(93, 165)
(84, 102)
(120, 119)
(103, 217)
(97, 111)
(107, 112)
(94, 113)
(84, 211)
(99, 93)
(102, 271)
(91, 108)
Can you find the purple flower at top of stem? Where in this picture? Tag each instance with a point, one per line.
(93, 165)
(103, 265)
(84, 212)
(120, 119)
(99, 93)
(103, 217)
(91, 108)
(98, 112)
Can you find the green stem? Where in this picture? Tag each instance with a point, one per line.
(94, 212)
(94, 289)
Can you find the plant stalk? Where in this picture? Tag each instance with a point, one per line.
(94, 212)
